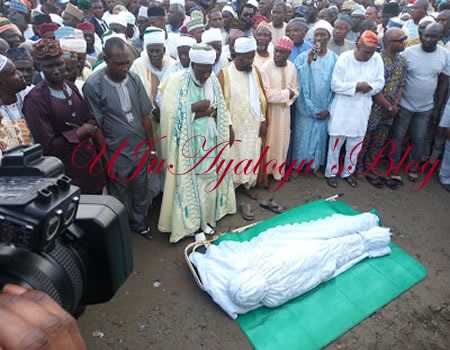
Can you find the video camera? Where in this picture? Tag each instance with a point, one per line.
(75, 248)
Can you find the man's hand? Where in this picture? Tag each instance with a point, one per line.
(263, 129)
(291, 93)
(200, 106)
(113, 174)
(84, 131)
(322, 115)
(30, 319)
(363, 87)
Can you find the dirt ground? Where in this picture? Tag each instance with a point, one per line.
(161, 307)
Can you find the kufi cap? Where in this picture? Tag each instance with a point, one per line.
(143, 12)
(84, 4)
(228, 8)
(74, 11)
(302, 11)
(86, 26)
(47, 48)
(154, 35)
(46, 28)
(263, 25)
(257, 19)
(6, 24)
(156, 11)
(64, 32)
(345, 18)
(111, 34)
(17, 19)
(185, 40)
(284, 42)
(322, 24)
(368, 38)
(3, 61)
(299, 21)
(395, 22)
(211, 35)
(244, 45)
(427, 19)
(196, 21)
(77, 45)
(202, 54)
(129, 17)
(348, 5)
(118, 19)
(358, 10)
(253, 3)
(18, 6)
(391, 8)
(70, 55)
(40, 18)
(19, 54)
(56, 19)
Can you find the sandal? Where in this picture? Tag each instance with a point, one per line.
(273, 206)
(331, 181)
(375, 182)
(397, 179)
(412, 176)
(392, 184)
(246, 212)
(208, 230)
(351, 181)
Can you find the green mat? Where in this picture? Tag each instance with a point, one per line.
(315, 319)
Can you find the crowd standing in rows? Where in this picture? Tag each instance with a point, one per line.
(199, 99)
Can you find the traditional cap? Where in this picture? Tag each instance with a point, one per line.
(156, 11)
(196, 21)
(64, 32)
(394, 22)
(211, 35)
(391, 9)
(185, 40)
(47, 48)
(257, 19)
(299, 21)
(56, 19)
(154, 35)
(368, 38)
(427, 19)
(228, 8)
(118, 19)
(322, 24)
(111, 34)
(202, 54)
(18, 6)
(302, 11)
(74, 11)
(143, 12)
(244, 45)
(40, 18)
(348, 5)
(284, 42)
(86, 26)
(77, 45)
(70, 55)
(253, 3)
(5, 24)
(263, 25)
(129, 17)
(3, 61)
(358, 10)
(84, 4)
(19, 54)
(345, 18)
(17, 19)
(46, 28)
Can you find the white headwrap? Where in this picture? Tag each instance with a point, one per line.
(110, 34)
(427, 19)
(3, 60)
(56, 19)
(143, 12)
(129, 17)
(244, 45)
(184, 40)
(322, 24)
(253, 3)
(202, 54)
(228, 8)
(77, 45)
(117, 19)
(211, 35)
(154, 35)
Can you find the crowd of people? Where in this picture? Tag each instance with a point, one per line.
(199, 99)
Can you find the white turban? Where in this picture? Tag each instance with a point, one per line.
(110, 34)
(202, 54)
(117, 19)
(244, 45)
(129, 17)
(184, 40)
(211, 35)
(154, 35)
(322, 24)
(77, 45)
(228, 8)
(3, 60)
(253, 3)
(143, 12)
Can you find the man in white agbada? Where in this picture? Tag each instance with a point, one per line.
(195, 120)
(213, 37)
(357, 76)
(184, 44)
(245, 98)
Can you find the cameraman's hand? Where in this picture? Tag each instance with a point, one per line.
(30, 319)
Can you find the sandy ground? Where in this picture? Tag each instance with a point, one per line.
(178, 315)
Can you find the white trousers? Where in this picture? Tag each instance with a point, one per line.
(352, 148)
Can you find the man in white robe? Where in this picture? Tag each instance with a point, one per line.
(357, 76)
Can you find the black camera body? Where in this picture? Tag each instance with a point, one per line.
(76, 248)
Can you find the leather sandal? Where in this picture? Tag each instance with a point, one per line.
(351, 181)
(331, 181)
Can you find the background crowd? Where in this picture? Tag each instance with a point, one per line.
(243, 94)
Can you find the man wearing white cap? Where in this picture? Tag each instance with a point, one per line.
(184, 44)
(193, 109)
(213, 37)
(246, 102)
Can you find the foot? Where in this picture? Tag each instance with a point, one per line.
(332, 182)
(145, 233)
(351, 181)
(249, 193)
(319, 174)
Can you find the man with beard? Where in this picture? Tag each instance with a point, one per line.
(424, 95)
(263, 36)
(244, 95)
(195, 120)
(278, 26)
(23, 62)
(60, 120)
(296, 30)
(281, 87)
(246, 14)
(122, 109)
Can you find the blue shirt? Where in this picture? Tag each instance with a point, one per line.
(297, 50)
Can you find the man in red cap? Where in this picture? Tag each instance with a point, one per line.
(89, 35)
(357, 76)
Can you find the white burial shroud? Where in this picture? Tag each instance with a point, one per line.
(287, 261)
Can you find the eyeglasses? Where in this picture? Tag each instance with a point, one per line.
(401, 40)
(247, 14)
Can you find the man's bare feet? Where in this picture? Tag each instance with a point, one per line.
(294, 174)
(249, 193)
